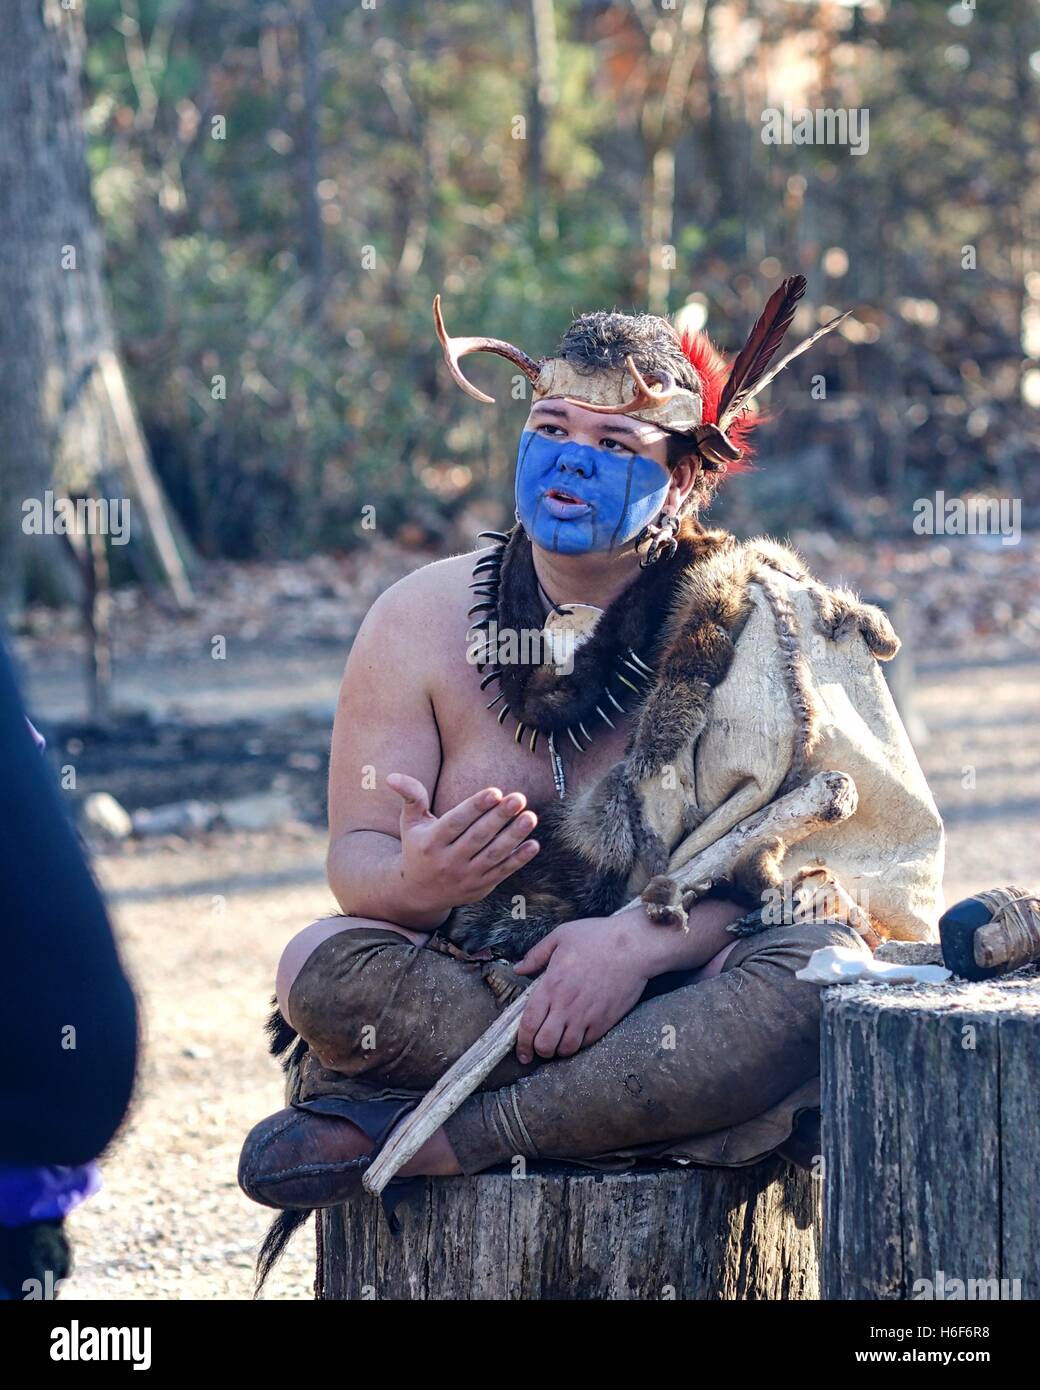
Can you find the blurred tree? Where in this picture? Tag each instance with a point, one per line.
(66, 419)
(545, 94)
(285, 186)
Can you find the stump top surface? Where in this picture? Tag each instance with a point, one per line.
(647, 1171)
(1017, 993)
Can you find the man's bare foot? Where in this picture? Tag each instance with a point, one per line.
(344, 1140)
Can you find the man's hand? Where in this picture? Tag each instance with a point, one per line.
(592, 979)
(460, 856)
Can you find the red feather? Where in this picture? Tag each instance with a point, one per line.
(713, 370)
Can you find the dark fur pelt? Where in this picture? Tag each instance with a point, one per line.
(285, 1043)
(28, 1255)
(597, 842)
(559, 889)
(538, 695)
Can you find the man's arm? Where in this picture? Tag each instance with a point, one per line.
(389, 858)
(384, 723)
(596, 969)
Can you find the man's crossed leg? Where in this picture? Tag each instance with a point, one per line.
(683, 1072)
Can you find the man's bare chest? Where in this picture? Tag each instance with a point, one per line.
(477, 751)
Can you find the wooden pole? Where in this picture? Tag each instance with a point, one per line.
(146, 491)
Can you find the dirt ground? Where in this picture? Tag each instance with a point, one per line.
(202, 922)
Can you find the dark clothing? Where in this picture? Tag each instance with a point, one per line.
(68, 1021)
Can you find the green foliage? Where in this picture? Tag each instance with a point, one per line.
(309, 291)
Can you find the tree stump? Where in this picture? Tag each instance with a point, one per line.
(931, 1139)
(564, 1233)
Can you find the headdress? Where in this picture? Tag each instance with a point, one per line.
(618, 653)
(714, 415)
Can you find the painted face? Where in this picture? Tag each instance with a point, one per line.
(573, 498)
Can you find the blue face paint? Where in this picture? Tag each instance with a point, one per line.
(616, 494)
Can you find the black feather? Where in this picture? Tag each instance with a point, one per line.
(775, 370)
(762, 344)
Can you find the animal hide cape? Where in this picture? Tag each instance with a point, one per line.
(762, 678)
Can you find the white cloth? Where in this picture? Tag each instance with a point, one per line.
(842, 965)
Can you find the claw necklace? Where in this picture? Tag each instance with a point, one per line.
(630, 672)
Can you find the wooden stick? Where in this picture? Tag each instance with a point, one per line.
(460, 1080)
(826, 799)
(148, 494)
(1013, 937)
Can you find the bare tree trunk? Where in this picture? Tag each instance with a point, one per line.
(673, 50)
(59, 424)
(309, 35)
(718, 153)
(544, 95)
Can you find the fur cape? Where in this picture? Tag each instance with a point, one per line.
(762, 677)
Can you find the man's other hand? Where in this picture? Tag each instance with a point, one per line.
(591, 981)
(460, 856)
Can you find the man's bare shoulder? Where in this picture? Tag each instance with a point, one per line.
(429, 605)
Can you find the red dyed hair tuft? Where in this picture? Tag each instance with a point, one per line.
(713, 369)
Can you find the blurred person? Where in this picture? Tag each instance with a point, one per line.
(704, 677)
(68, 1026)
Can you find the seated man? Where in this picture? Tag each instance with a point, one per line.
(681, 682)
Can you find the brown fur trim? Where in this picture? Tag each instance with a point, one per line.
(799, 695)
(709, 604)
(708, 611)
(757, 872)
(780, 557)
(559, 885)
(840, 613)
(651, 850)
(663, 902)
(596, 823)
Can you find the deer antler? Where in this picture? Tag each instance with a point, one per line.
(645, 396)
(454, 348)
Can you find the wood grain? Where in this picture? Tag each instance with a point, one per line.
(659, 1233)
(931, 1136)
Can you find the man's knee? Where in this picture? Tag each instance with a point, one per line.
(370, 1002)
(306, 943)
(789, 946)
(808, 937)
